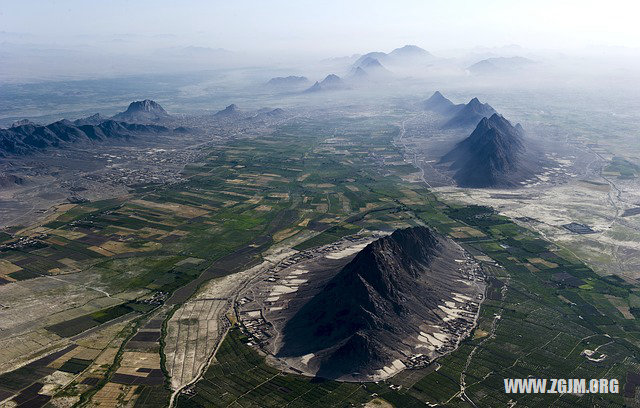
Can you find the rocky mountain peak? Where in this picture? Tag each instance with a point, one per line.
(351, 323)
(146, 105)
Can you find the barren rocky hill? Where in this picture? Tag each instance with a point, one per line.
(372, 314)
(496, 154)
(29, 138)
(146, 111)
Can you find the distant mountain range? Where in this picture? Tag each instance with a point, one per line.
(270, 113)
(331, 82)
(407, 55)
(499, 65)
(22, 122)
(146, 111)
(461, 115)
(364, 317)
(288, 81)
(469, 114)
(30, 138)
(233, 113)
(494, 155)
(90, 120)
(25, 137)
(370, 68)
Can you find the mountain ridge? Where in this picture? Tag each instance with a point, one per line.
(407, 54)
(469, 114)
(29, 138)
(439, 104)
(331, 82)
(288, 81)
(499, 65)
(458, 115)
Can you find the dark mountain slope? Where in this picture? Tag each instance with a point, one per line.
(89, 120)
(29, 138)
(378, 300)
(494, 155)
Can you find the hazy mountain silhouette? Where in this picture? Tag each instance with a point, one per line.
(331, 82)
(499, 65)
(406, 56)
(410, 52)
(439, 104)
(458, 115)
(288, 82)
(469, 115)
(230, 112)
(370, 68)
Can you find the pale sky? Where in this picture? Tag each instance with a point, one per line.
(322, 28)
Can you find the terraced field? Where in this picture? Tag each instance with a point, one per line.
(192, 334)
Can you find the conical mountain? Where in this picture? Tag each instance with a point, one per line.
(231, 111)
(354, 324)
(492, 156)
(439, 104)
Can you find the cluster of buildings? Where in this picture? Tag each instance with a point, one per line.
(25, 243)
(251, 318)
(156, 299)
(255, 326)
(315, 252)
(418, 360)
